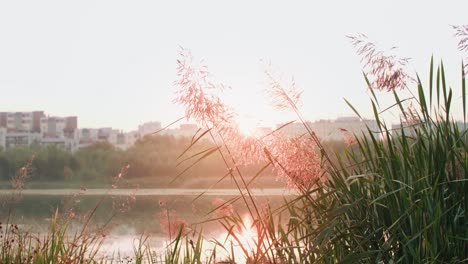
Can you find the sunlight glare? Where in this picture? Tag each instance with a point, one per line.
(247, 126)
(246, 235)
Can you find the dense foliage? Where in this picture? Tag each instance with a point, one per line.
(155, 155)
(401, 199)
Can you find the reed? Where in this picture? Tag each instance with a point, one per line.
(400, 198)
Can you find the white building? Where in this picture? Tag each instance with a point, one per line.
(184, 130)
(60, 131)
(53, 127)
(149, 128)
(129, 139)
(118, 138)
(333, 129)
(21, 121)
(26, 128)
(88, 135)
(17, 139)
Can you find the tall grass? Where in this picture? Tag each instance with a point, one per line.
(55, 246)
(401, 198)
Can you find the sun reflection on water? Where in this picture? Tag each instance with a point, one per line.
(242, 239)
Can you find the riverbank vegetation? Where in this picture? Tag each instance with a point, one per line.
(153, 163)
(150, 156)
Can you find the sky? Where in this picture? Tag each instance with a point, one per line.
(112, 63)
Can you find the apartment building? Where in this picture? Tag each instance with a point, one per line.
(118, 138)
(60, 131)
(149, 128)
(26, 128)
(21, 121)
(53, 127)
(332, 129)
(184, 130)
(19, 128)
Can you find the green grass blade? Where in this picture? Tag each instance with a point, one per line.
(464, 93)
(431, 77)
(352, 107)
(376, 116)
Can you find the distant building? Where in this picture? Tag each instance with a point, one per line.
(3, 119)
(105, 133)
(60, 131)
(113, 136)
(149, 128)
(21, 121)
(18, 139)
(87, 135)
(410, 129)
(71, 127)
(2, 137)
(18, 121)
(36, 121)
(184, 130)
(52, 127)
(124, 140)
(118, 138)
(26, 128)
(332, 129)
(130, 138)
(187, 129)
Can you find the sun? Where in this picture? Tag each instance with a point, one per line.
(247, 126)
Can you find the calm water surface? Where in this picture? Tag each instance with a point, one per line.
(154, 192)
(131, 213)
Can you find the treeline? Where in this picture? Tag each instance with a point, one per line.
(150, 156)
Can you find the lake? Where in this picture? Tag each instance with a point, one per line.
(130, 213)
